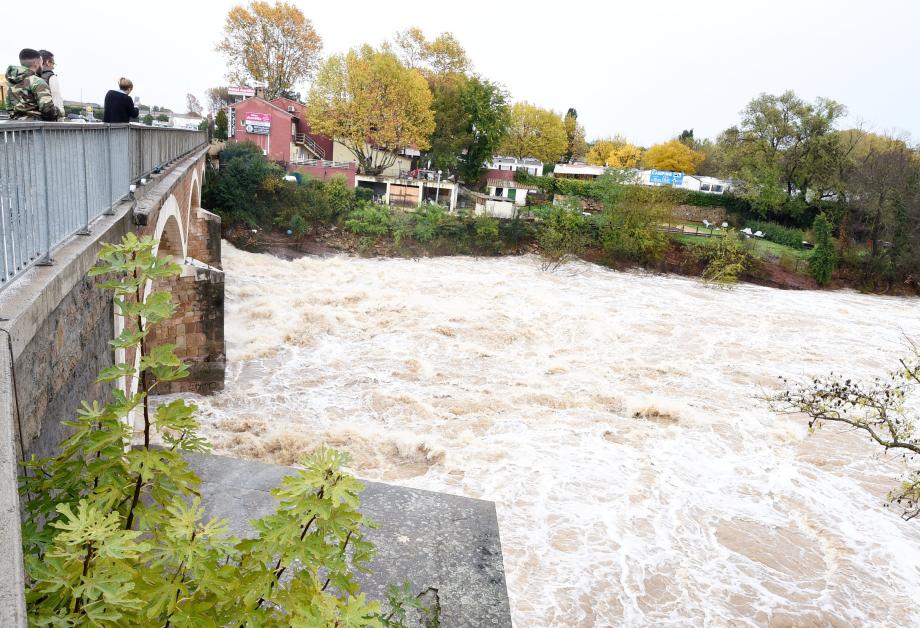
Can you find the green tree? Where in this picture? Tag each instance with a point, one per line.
(883, 182)
(147, 119)
(575, 135)
(562, 234)
(788, 143)
(115, 535)
(243, 189)
(220, 125)
(471, 117)
(275, 45)
(725, 259)
(451, 122)
(823, 259)
(487, 117)
(629, 226)
(686, 138)
(162, 117)
(535, 132)
(374, 105)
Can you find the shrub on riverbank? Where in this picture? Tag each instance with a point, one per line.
(774, 232)
(432, 229)
(824, 258)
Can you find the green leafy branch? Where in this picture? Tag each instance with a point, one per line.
(115, 534)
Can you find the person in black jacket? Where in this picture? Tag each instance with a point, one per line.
(119, 106)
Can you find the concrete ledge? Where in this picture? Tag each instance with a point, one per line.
(165, 185)
(435, 540)
(12, 600)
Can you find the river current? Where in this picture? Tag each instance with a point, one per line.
(613, 417)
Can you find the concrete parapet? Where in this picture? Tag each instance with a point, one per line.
(60, 324)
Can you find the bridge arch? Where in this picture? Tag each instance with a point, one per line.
(194, 197)
(170, 231)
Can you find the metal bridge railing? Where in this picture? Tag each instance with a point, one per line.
(57, 178)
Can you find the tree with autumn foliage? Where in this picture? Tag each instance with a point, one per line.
(674, 156)
(275, 45)
(615, 152)
(535, 132)
(193, 105)
(373, 104)
(443, 55)
(470, 113)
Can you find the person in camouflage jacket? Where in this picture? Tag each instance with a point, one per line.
(29, 97)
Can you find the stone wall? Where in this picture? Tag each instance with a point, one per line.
(692, 213)
(58, 367)
(197, 329)
(204, 237)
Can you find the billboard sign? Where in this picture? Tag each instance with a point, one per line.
(665, 177)
(258, 123)
(241, 91)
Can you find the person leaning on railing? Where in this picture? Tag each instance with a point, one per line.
(29, 97)
(119, 106)
(51, 78)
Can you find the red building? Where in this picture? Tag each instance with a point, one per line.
(281, 129)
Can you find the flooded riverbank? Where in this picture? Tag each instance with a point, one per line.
(613, 418)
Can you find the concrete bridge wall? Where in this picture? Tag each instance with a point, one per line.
(57, 325)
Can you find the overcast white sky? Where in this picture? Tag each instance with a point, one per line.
(645, 70)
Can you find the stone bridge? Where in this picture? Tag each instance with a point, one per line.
(57, 325)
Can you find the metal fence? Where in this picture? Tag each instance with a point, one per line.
(57, 178)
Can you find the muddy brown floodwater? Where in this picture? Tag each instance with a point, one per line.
(611, 416)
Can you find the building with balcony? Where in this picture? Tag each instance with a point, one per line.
(279, 127)
(410, 189)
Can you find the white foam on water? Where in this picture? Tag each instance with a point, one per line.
(612, 417)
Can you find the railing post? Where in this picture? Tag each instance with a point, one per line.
(110, 202)
(46, 257)
(85, 229)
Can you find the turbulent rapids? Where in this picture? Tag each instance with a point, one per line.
(613, 418)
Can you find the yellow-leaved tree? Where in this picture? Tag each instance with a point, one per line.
(275, 45)
(615, 152)
(535, 132)
(674, 156)
(372, 104)
(440, 56)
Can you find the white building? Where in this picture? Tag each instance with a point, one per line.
(527, 164)
(185, 121)
(511, 190)
(693, 182)
(578, 171)
(410, 190)
(707, 185)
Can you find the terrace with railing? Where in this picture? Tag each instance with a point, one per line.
(56, 179)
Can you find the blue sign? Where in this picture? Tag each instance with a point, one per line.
(665, 177)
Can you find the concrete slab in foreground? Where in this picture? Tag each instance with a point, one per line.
(435, 540)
